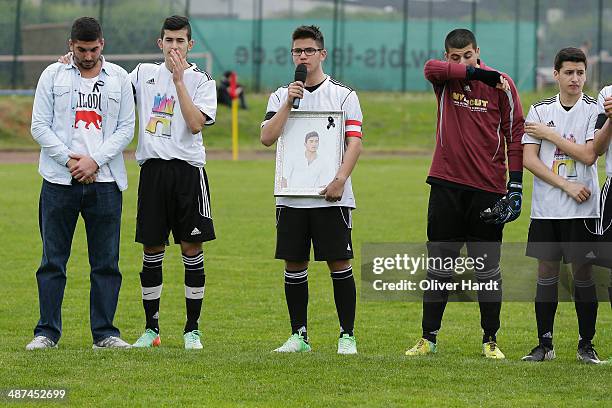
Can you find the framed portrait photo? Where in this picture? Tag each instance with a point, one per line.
(308, 153)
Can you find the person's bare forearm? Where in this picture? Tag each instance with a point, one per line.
(335, 189)
(351, 155)
(273, 128)
(533, 163)
(584, 153)
(531, 160)
(602, 138)
(194, 118)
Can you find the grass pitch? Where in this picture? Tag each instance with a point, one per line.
(245, 316)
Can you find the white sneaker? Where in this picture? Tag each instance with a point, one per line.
(295, 344)
(111, 342)
(347, 344)
(41, 342)
(192, 340)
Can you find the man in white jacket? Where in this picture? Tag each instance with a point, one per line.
(83, 118)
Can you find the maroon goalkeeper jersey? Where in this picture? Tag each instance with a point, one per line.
(477, 127)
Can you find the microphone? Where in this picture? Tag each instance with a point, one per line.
(300, 75)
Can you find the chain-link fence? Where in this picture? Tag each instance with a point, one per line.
(373, 44)
(35, 32)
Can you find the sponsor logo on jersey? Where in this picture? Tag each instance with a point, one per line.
(474, 104)
(563, 165)
(162, 112)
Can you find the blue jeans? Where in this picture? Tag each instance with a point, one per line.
(59, 208)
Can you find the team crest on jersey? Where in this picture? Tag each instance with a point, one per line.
(161, 116)
(563, 164)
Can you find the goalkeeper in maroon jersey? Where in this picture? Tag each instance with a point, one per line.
(479, 130)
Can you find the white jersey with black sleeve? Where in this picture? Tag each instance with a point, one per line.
(578, 126)
(331, 95)
(163, 133)
(606, 92)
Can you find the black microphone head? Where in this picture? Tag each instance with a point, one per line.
(300, 73)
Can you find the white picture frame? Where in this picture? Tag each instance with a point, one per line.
(305, 166)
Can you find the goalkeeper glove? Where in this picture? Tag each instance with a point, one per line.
(507, 208)
(486, 76)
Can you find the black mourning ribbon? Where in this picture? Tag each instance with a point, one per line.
(330, 123)
(97, 85)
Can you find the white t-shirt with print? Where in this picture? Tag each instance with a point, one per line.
(87, 137)
(578, 126)
(163, 132)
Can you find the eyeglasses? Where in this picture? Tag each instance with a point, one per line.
(296, 52)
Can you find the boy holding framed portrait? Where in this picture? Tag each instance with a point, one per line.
(301, 218)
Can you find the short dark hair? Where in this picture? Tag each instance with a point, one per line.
(309, 32)
(310, 135)
(460, 38)
(86, 29)
(175, 23)
(570, 54)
